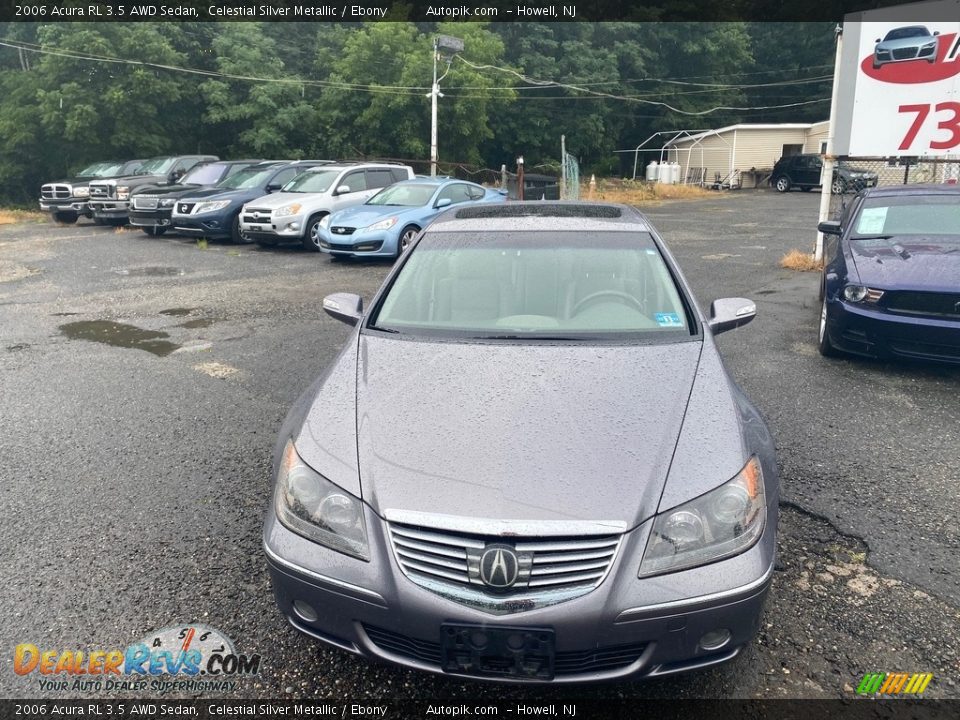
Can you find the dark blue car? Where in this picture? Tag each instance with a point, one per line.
(214, 213)
(891, 281)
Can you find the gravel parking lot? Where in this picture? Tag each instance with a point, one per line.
(136, 467)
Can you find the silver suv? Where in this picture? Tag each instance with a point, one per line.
(294, 214)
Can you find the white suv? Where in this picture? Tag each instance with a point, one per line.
(294, 214)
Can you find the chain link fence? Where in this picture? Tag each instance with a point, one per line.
(853, 174)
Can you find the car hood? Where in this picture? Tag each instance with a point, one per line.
(519, 432)
(214, 193)
(907, 263)
(910, 42)
(363, 215)
(279, 199)
(167, 190)
(137, 180)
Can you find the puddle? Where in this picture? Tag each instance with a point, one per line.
(120, 335)
(765, 292)
(18, 346)
(197, 323)
(177, 312)
(63, 314)
(152, 271)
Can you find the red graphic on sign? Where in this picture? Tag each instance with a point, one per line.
(916, 71)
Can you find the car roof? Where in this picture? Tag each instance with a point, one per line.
(346, 164)
(917, 189)
(439, 180)
(543, 215)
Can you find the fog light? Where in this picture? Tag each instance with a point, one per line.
(715, 639)
(306, 612)
(294, 226)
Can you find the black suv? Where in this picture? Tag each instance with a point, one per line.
(803, 171)
(152, 205)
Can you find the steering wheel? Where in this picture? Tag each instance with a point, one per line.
(625, 298)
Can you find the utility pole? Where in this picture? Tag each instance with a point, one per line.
(452, 45)
(520, 178)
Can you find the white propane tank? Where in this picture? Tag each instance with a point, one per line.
(652, 171)
(663, 172)
(675, 173)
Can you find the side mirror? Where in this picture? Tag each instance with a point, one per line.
(345, 307)
(176, 175)
(343, 190)
(443, 202)
(729, 313)
(830, 227)
(273, 187)
(877, 40)
(936, 32)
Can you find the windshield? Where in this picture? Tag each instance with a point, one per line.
(250, 177)
(910, 215)
(312, 182)
(907, 32)
(95, 170)
(535, 285)
(404, 195)
(158, 166)
(204, 175)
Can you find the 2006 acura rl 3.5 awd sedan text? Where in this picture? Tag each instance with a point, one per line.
(528, 463)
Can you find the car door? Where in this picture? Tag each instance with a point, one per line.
(356, 192)
(810, 170)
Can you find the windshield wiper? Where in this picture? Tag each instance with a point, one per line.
(873, 237)
(393, 331)
(561, 338)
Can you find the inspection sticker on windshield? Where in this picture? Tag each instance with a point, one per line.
(871, 221)
(668, 320)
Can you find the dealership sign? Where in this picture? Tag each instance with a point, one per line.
(898, 91)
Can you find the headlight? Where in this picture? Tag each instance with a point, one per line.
(287, 210)
(860, 293)
(168, 202)
(211, 206)
(310, 505)
(929, 46)
(123, 192)
(382, 225)
(325, 221)
(81, 192)
(724, 522)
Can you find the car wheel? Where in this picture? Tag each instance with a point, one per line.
(824, 345)
(406, 237)
(237, 237)
(839, 186)
(782, 183)
(154, 230)
(311, 238)
(65, 218)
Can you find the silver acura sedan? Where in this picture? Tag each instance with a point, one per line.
(528, 463)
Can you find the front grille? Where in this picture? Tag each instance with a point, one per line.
(341, 230)
(144, 203)
(54, 191)
(904, 53)
(923, 303)
(256, 215)
(568, 662)
(101, 191)
(543, 563)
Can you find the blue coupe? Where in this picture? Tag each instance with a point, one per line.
(891, 281)
(389, 221)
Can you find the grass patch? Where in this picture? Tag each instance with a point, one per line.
(800, 261)
(8, 217)
(635, 192)
(201, 243)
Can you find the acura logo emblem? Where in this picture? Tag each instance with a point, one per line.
(499, 566)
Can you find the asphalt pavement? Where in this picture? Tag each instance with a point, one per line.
(143, 381)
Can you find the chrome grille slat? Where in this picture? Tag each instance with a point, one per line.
(437, 558)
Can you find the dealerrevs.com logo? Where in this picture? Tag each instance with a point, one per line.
(180, 658)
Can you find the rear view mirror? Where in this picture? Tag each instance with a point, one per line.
(829, 227)
(729, 313)
(345, 307)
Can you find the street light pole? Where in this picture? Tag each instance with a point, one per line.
(434, 93)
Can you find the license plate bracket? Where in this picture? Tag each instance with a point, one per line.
(513, 652)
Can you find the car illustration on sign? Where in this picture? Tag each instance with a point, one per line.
(903, 44)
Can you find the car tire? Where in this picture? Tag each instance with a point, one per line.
(311, 237)
(782, 184)
(154, 230)
(65, 218)
(406, 237)
(236, 234)
(824, 345)
(838, 186)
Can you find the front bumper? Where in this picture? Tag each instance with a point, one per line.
(208, 225)
(367, 244)
(876, 333)
(150, 218)
(626, 628)
(80, 207)
(275, 230)
(110, 208)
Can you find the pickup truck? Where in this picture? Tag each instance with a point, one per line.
(110, 199)
(67, 200)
